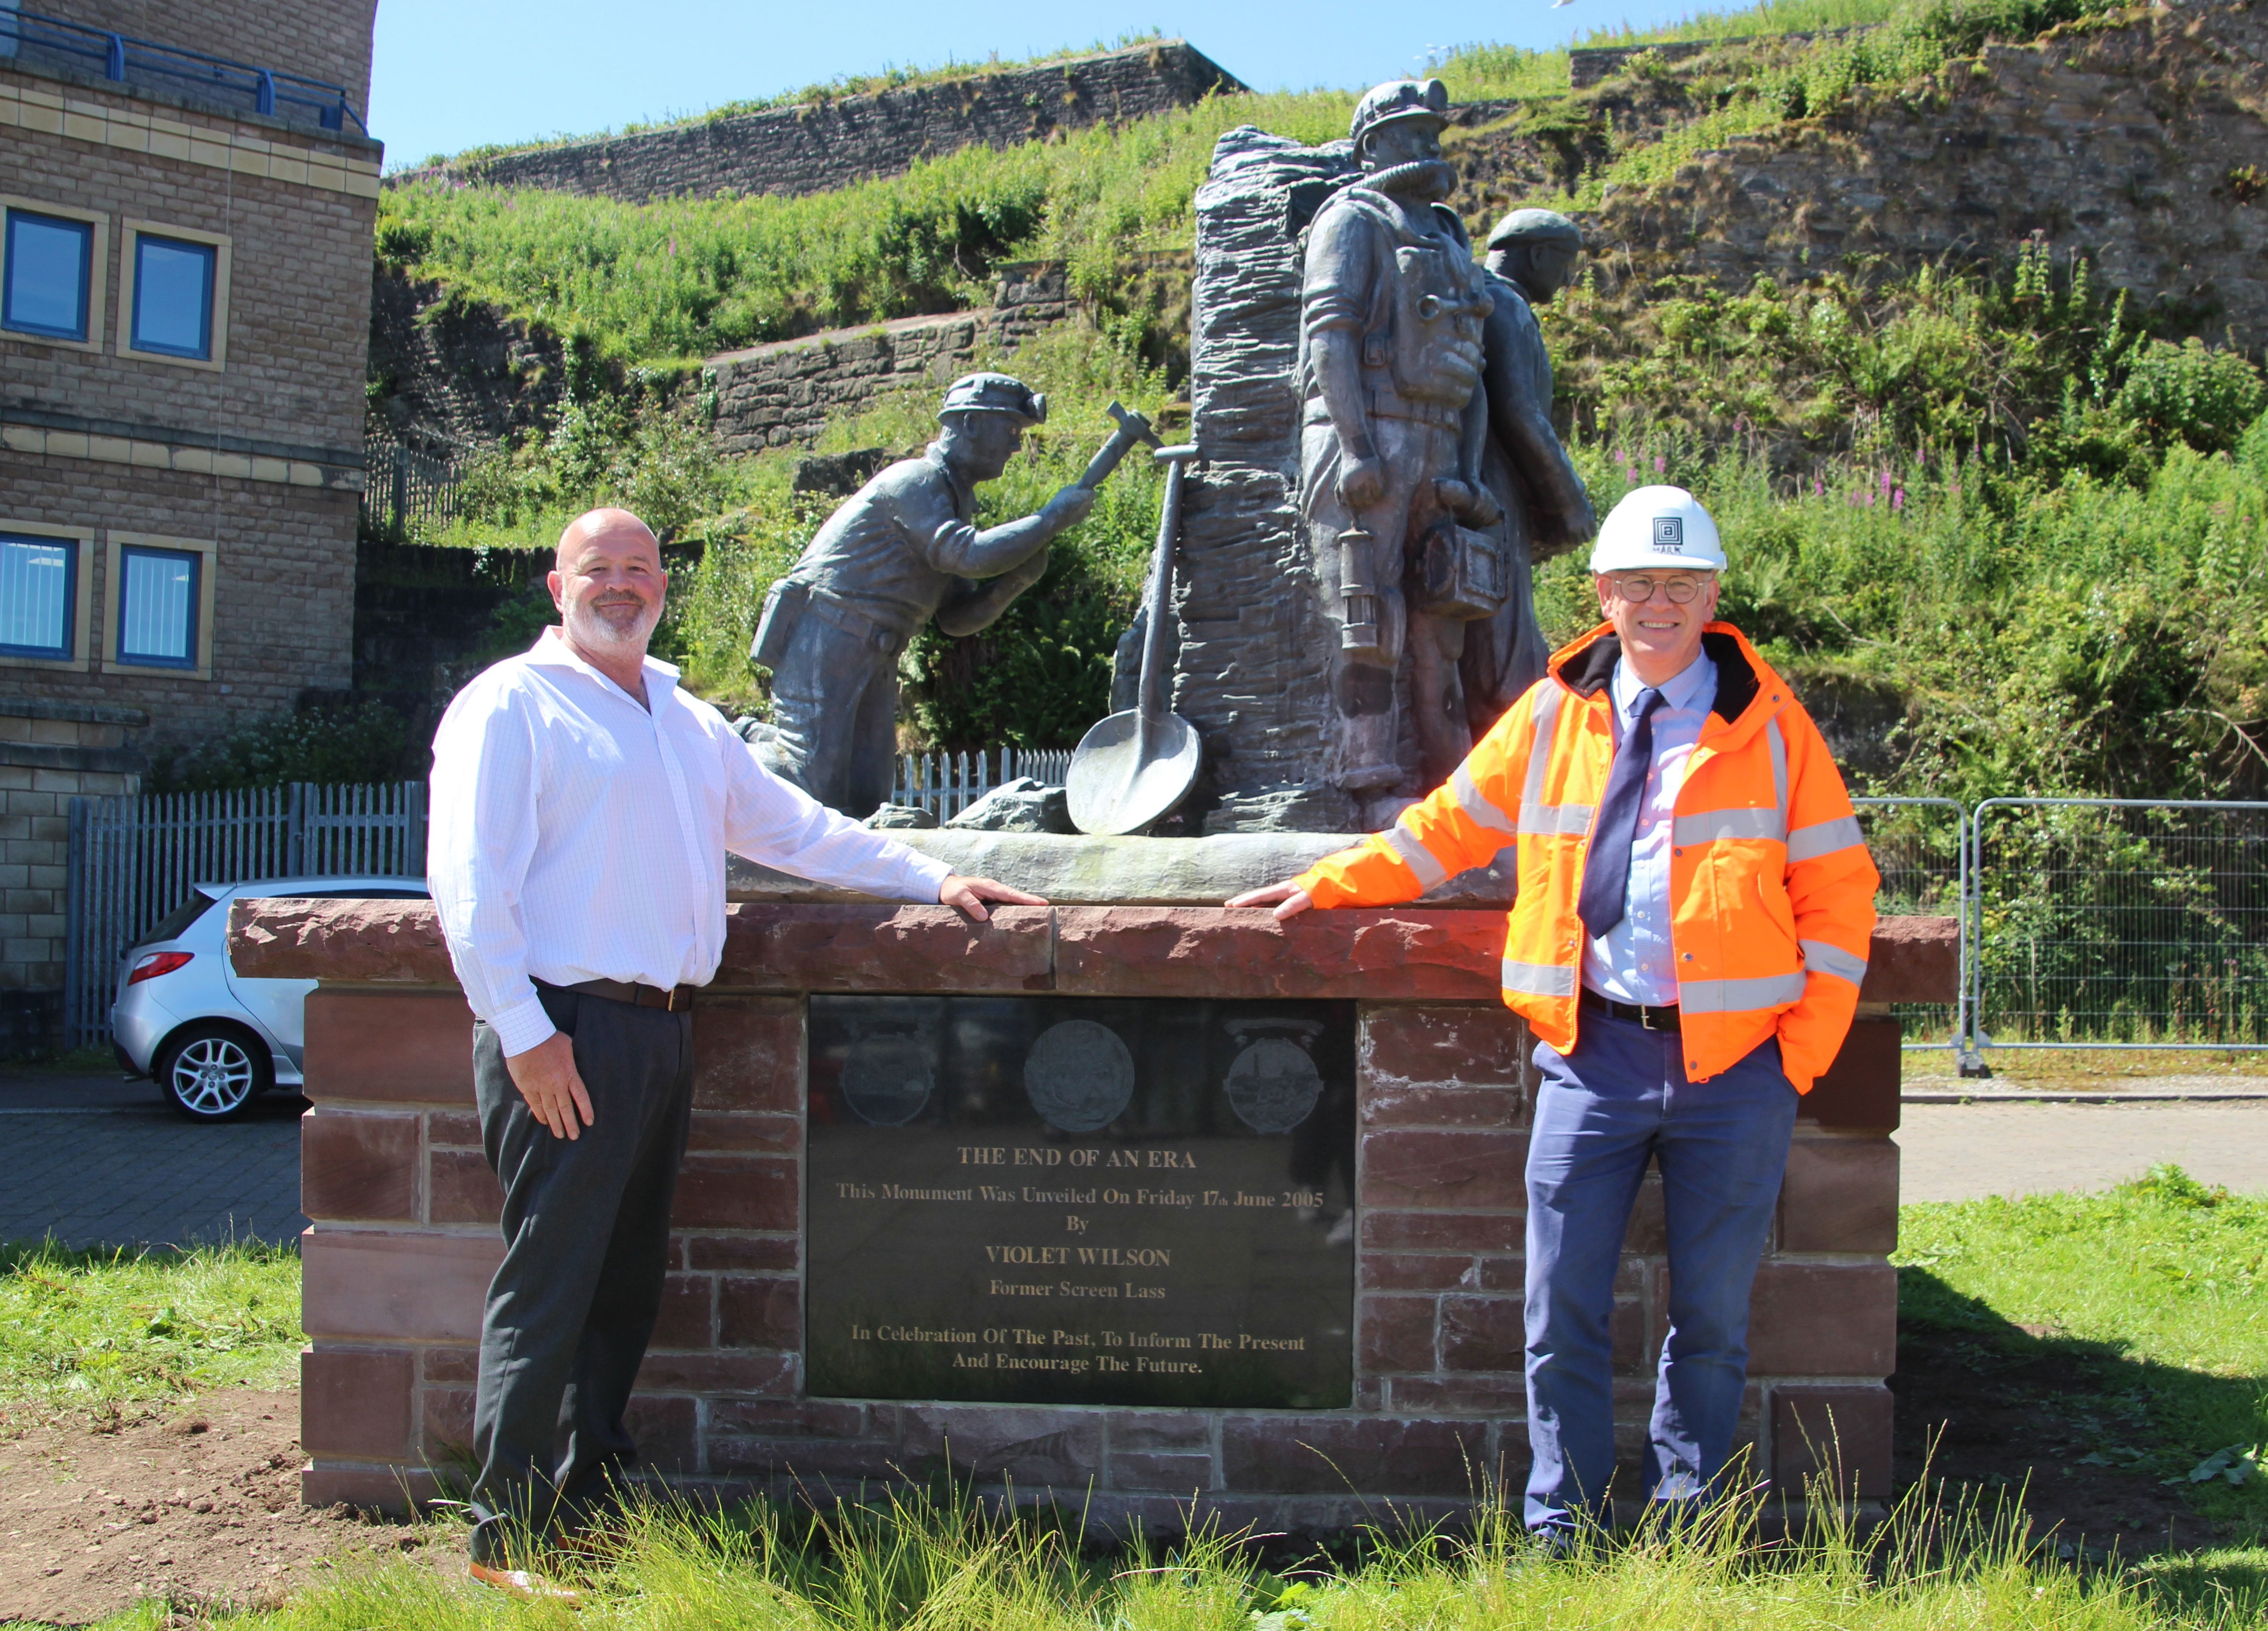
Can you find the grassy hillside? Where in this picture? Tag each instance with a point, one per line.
(2004, 519)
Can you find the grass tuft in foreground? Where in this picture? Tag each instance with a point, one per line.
(82, 1331)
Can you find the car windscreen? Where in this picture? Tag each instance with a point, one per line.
(176, 922)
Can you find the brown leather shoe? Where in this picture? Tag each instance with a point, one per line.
(526, 1587)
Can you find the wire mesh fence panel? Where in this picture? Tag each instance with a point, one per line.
(1920, 847)
(2120, 922)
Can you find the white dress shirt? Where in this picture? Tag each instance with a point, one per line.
(1632, 962)
(577, 835)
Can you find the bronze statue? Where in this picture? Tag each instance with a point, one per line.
(899, 552)
(1392, 317)
(1531, 255)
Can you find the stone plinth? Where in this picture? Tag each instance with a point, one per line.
(404, 1209)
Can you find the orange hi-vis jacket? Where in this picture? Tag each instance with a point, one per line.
(1771, 889)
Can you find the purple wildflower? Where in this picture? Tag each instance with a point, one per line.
(1660, 465)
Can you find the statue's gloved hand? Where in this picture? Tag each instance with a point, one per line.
(1068, 507)
(1362, 482)
(1474, 506)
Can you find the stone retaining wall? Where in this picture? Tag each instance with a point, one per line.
(404, 1207)
(820, 146)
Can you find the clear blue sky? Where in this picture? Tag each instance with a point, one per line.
(451, 74)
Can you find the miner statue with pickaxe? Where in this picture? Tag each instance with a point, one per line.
(902, 550)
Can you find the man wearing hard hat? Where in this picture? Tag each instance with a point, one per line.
(1696, 904)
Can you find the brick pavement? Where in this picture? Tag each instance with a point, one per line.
(98, 1162)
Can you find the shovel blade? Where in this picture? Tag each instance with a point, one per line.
(1114, 787)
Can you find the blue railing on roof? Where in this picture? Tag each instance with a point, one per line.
(146, 65)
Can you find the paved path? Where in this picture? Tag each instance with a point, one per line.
(1957, 1152)
(95, 1161)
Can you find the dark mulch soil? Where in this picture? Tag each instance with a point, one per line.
(2029, 1411)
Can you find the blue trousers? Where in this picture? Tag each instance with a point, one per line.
(1619, 1099)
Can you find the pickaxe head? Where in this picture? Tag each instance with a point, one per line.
(1133, 423)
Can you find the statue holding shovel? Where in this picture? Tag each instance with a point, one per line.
(901, 551)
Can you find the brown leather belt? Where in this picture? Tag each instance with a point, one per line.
(1652, 1018)
(672, 1001)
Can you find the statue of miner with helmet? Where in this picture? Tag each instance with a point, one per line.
(900, 551)
(1392, 317)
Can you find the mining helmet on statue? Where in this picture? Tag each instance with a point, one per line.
(996, 393)
(1535, 226)
(1398, 100)
(1655, 527)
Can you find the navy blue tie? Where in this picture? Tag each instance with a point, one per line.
(1606, 873)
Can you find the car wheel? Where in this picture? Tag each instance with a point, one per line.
(212, 1072)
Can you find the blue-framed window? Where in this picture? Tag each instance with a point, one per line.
(172, 297)
(38, 595)
(158, 606)
(49, 263)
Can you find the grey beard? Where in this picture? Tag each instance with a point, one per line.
(1430, 179)
(594, 632)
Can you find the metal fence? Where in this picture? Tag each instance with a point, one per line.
(134, 860)
(948, 783)
(211, 81)
(1920, 847)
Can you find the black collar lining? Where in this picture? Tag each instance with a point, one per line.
(1588, 672)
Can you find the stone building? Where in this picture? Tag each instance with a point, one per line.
(187, 195)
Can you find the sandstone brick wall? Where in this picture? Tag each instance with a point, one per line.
(403, 1204)
(325, 39)
(823, 145)
(770, 395)
(50, 752)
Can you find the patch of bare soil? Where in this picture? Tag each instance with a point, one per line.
(199, 1505)
(2027, 1412)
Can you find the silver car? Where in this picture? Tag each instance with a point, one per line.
(211, 1040)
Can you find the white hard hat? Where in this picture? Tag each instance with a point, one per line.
(1658, 527)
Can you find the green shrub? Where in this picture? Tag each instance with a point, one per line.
(368, 743)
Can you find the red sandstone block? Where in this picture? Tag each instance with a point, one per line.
(1378, 956)
(395, 1490)
(1840, 1434)
(1648, 1230)
(811, 1418)
(355, 1402)
(1026, 1447)
(376, 940)
(1396, 1271)
(747, 1055)
(718, 1373)
(1476, 1045)
(399, 1047)
(737, 1191)
(1406, 1166)
(451, 1364)
(666, 1431)
(688, 1318)
(1840, 1195)
(882, 948)
(1340, 1455)
(759, 1313)
(1859, 1091)
(1159, 1429)
(1500, 1397)
(766, 1135)
(812, 1460)
(780, 1252)
(394, 1283)
(1139, 1469)
(1398, 1335)
(1824, 1320)
(1913, 959)
(1482, 1334)
(1393, 1104)
(1637, 1338)
(1501, 1274)
(461, 1189)
(1388, 1229)
(461, 1128)
(445, 1432)
(358, 1165)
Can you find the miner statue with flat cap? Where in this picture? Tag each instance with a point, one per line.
(1531, 253)
(1392, 318)
(902, 550)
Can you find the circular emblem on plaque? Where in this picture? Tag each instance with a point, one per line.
(886, 1080)
(1273, 1085)
(1079, 1075)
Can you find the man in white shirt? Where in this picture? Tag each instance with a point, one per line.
(581, 808)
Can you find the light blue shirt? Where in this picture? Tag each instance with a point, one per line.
(1632, 961)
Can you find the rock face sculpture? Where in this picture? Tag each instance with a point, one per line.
(1352, 591)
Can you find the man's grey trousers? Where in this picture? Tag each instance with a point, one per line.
(587, 1244)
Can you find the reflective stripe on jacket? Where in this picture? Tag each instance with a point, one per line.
(1771, 888)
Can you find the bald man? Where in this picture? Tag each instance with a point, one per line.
(582, 805)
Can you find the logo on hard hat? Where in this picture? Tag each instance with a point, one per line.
(1669, 534)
